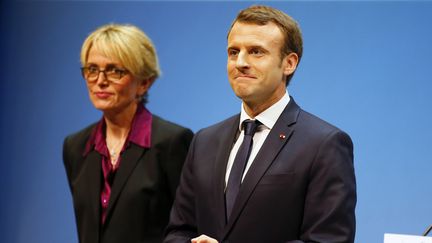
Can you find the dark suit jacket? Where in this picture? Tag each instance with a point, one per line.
(300, 188)
(142, 192)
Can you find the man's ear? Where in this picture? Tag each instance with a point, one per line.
(290, 63)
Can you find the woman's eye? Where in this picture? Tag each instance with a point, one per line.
(93, 69)
(118, 70)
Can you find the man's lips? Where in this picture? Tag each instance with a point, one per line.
(245, 76)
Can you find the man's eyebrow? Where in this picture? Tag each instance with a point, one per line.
(255, 47)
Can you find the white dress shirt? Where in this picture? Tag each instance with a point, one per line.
(268, 118)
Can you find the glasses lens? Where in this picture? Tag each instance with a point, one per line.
(90, 73)
(112, 74)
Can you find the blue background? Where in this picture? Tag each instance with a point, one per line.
(366, 69)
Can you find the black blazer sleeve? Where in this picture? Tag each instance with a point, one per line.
(175, 147)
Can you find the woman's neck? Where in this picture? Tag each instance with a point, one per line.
(118, 124)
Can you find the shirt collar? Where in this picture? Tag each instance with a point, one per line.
(140, 133)
(141, 127)
(269, 116)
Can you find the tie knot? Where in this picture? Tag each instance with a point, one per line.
(250, 126)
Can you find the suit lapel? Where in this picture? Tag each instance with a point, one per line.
(275, 141)
(129, 160)
(226, 141)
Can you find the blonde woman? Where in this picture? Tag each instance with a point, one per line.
(124, 169)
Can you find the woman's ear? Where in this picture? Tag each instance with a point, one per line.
(144, 85)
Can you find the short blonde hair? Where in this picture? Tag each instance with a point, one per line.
(127, 44)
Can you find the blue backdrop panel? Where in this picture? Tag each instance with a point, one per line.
(366, 68)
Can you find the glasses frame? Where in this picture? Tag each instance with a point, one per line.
(109, 77)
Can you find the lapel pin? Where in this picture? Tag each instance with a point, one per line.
(282, 136)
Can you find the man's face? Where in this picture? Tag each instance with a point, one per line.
(255, 69)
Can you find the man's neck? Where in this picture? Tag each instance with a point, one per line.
(254, 109)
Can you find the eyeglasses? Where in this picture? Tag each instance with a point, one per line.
(111, 72)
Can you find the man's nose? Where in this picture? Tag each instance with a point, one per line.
(242, 60)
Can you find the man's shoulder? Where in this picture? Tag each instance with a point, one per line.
(310, 123)
(221, 126)
(313, 126)
(309, 118)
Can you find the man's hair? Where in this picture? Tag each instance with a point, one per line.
(262, 15)
(127, 44)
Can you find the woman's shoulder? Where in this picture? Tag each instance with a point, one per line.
(82, 135)
(164, 129)
(159, 123)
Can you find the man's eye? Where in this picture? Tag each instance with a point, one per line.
(256, 52)
(232, 53)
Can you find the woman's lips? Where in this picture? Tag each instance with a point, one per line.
(102, 95)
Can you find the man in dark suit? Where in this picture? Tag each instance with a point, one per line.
(273, 173)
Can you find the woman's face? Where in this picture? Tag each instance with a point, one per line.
(112, 96)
